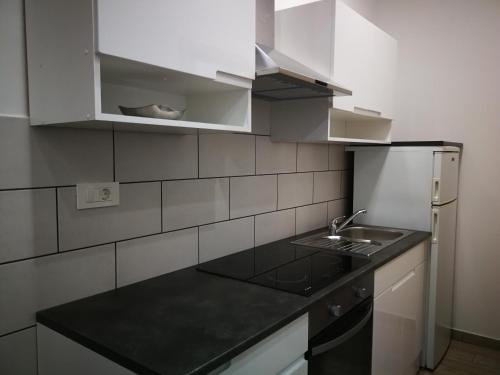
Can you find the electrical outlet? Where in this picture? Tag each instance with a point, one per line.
(97, 194)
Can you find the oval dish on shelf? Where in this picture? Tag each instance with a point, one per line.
(154, 111)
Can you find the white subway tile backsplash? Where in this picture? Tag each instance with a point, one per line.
(153, 156)
(28, 224)
(253, 195)
(151, 256)
(326, 186)
(138, 214)
(337, 157)
(227, 155)
(337, 208)
(275, 157)
(37, 157)
(312, 157)
(188, 203)
(227, 237)
(295, 190)
(31, 285)
(274, 226)
(18, 353)
(311, 217)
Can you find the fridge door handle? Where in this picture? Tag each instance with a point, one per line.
(435, 189)
(435, 225)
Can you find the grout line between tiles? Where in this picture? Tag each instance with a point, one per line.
(115, 242)
(114, 156)
(165, 180)
(18, 330)
(198, 262)
(116, 268)
(57, 221)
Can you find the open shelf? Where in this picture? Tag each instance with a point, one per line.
(220, 104)
(349, 127)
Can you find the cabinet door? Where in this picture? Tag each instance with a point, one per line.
(304, 33)
(350, 56)
(199, 37)
(397, 327)
(364, 60)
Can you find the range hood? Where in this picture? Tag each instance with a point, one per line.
(279, 77)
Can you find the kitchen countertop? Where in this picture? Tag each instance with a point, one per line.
(189, 322)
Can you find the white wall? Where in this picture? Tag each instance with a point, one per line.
(366, 8)
(449, 89)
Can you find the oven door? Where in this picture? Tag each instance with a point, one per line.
(344, 347)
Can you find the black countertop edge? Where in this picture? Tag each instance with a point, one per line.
(300, 306)
(139, 369)
(413, 143)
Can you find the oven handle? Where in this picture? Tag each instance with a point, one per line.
(342, 338)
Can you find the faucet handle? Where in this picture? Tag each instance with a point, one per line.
(337, 220)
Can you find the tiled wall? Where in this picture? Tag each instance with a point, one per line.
(184, 199)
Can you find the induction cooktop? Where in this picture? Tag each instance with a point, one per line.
(282, 265)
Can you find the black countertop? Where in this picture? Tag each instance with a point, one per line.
(189, 322)
(414, 143)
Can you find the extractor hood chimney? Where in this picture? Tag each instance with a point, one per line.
(279, 77)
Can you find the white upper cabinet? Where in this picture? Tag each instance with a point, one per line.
(88, 57)
(334, 40)
(364, 58)
(200, 37)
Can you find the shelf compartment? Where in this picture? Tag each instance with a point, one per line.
(209, 104)
(349, 127)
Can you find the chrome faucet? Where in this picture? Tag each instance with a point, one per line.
(335, 227)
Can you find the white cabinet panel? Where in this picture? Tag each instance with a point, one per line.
(275, 353)
(364, 58)
(58, 355)
(299, 367)
(194, 36)
(304, 34)
(398, 320)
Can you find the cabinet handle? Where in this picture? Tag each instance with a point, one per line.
(435, 225)
(402, 281)
(435, 189)
(371, 111)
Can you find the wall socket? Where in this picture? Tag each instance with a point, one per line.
(97, 194)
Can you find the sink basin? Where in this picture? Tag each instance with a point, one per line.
(356, 240)
(372, 234)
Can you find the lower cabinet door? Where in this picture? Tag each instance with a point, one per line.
(274, 354)
(299, 367)
(397, 326)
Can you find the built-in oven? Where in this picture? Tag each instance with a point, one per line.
(340, 338)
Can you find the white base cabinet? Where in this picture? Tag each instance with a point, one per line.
(398, 320)
(282, 353)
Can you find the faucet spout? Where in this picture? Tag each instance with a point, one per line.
(334, 228)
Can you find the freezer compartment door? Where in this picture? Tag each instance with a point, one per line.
(442, 270)
(445, 177)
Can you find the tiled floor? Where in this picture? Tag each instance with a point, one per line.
(467, 359)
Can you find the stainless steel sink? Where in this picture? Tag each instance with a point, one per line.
(357, 240)
(373, 234)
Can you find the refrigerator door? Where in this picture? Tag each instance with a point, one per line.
(445, 177)
(441, 281)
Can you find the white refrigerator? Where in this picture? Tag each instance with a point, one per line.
(416, 187)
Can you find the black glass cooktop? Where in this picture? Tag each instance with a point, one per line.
(281, 265)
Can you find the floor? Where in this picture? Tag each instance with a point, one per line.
(467, 359)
